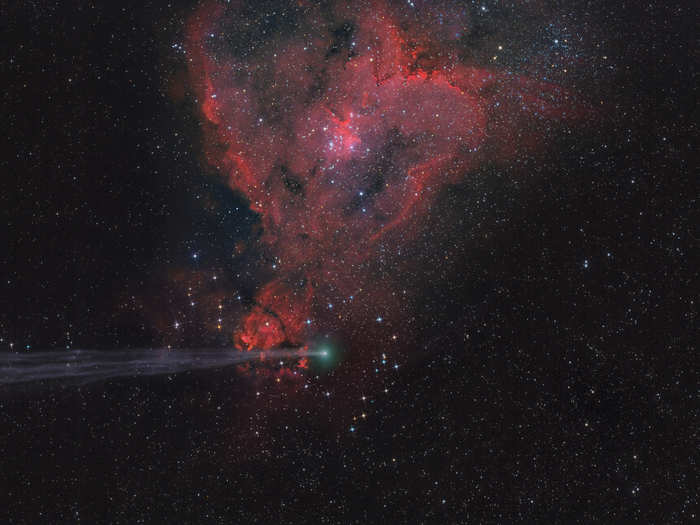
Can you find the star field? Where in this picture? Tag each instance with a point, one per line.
(476, 220)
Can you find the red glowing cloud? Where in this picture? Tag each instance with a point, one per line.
(341, 128)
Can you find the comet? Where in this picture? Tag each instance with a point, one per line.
(89, 366)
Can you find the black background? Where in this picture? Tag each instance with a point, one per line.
(574, 401)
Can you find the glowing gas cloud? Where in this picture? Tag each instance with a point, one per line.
(341, 124)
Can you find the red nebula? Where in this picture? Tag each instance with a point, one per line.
(341, 130)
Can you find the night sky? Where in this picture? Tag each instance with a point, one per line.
(451, 246)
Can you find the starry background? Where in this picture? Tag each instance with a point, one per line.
(543, 372)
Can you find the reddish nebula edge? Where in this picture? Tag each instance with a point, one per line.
(341, 133)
